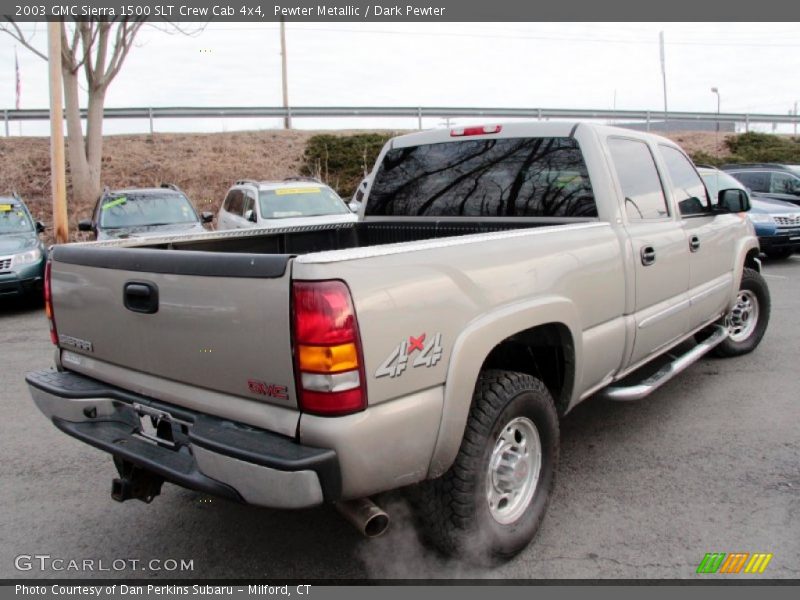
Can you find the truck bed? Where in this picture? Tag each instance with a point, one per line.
(297, 241)
(225, 336)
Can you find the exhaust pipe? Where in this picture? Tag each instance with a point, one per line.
(370, 520)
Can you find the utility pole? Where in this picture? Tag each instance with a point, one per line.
(287, 120)
(663, 74)
(715, 90)
(57, 164)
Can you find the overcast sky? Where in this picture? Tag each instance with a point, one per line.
(549, 65)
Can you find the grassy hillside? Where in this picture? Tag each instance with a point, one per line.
(203, 165)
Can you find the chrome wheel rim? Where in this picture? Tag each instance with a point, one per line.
(743, 318)
(514, 469)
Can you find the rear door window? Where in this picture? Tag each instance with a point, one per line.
(512, 177)
(638, 177)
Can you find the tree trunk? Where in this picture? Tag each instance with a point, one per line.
(83, 188)
(94, 136)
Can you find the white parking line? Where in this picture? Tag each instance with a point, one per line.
(775, 276)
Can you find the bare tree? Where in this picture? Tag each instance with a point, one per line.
(94, 51)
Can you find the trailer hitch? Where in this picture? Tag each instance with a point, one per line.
(134, 483)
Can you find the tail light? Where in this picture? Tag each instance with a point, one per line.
(48, 304)
(479, 130)
(327, 349)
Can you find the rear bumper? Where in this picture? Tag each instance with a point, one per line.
(208, 454)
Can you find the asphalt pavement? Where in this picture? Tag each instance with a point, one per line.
(709, 463)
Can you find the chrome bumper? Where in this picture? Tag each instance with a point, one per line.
(190, 449)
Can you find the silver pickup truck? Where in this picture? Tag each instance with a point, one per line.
(497, 276)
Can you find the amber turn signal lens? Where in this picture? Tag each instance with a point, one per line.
(328, 359)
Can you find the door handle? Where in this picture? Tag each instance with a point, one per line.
(648, 254)
(694, 243)
(141, 297)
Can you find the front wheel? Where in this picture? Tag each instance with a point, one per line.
(748, 319)
(488, 506)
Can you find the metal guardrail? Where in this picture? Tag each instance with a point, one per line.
(646, 116)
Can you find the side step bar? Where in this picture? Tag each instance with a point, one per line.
(667, 372)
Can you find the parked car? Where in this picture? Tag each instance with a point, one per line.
(499, 276)
(768, 180)
(143, 212)
(22, 253)
(777, 223)
(288, 203)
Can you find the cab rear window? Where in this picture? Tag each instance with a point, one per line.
(522, 177)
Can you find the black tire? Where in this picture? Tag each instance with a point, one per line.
(780, 254)
(755, 287)
(453, 511)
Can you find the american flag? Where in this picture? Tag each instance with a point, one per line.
(16, 70)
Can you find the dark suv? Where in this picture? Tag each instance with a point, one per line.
(768, 180)
(22, 252)
(144, 212)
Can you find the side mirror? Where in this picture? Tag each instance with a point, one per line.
(354, 206)
(733, 200)
(207, 217)
(40, 227)
(251, 216)
(85, 225)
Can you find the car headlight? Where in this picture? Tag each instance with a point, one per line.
(760, 218)
(26, 258)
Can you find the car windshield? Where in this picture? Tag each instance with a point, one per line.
(717, 180)
(14, 219)
(141, 210)
(305, 201)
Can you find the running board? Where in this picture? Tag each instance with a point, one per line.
(667, 372)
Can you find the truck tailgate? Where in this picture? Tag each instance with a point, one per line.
(215, 321)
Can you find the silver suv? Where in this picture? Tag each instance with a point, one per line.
(292, 202)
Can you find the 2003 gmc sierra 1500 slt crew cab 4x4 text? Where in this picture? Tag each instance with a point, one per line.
(497, 276)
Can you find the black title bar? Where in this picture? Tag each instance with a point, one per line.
(402, 11)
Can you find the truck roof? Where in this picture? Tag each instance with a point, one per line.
(515, 129)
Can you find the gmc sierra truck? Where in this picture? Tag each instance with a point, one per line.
(497, 276)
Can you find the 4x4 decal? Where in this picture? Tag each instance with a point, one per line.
(430, 353)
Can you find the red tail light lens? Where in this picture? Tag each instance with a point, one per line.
(479, 130)
(48, 304)
(327, 349)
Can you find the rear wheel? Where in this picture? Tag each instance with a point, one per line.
(488, 506)
(748, 319)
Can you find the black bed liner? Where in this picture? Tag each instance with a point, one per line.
(266, 255)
